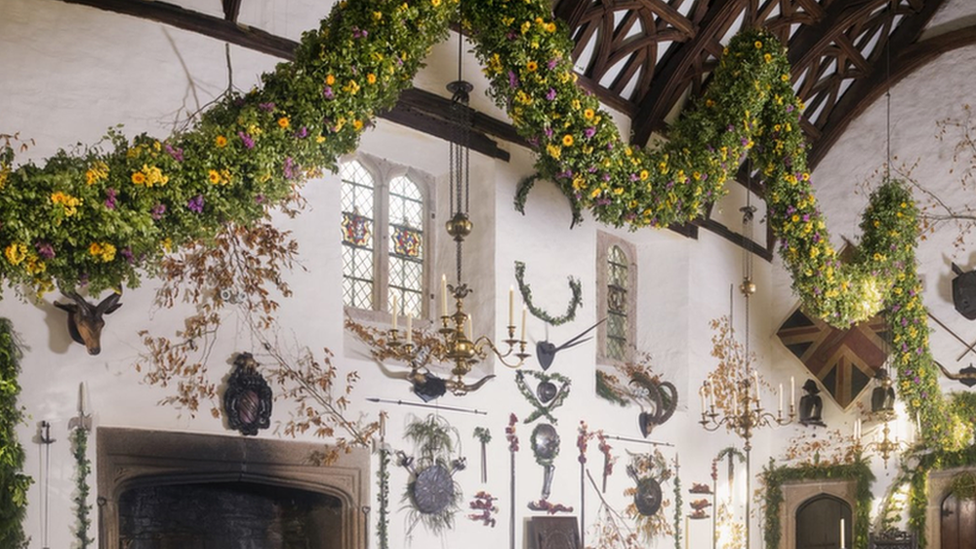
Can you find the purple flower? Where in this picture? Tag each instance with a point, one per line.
(589, 132)
(196, 203)
(552, 63)
(247, 140)
(110, 201)
(551, 94)
(548, 132)
(633, 177)
(603, 202)
(606, 176)
(789, 108)
(44, 249)
(288, 168)
(258, 198)
(266, 107)
(806, 217)
(359, 33)
(512, 79)
(302, 133)
(327, 92)
(730, 127)
(177, 154)
(158, 211)
(127, 254)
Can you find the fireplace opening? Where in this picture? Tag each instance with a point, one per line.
(228, 515)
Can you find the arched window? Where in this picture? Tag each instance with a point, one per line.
(617, 294)
(384, 247)
(358, 265)
(406, 216)
(618, 284)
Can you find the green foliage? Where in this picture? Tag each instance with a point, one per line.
(526, 291)
(606, 388)
(383, 500)
(774, 477)
(13, 483)
(917, 477)
(433, 437)
(79, 444)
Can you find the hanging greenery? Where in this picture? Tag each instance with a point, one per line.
(79, 446)
(526, 291)
(543, 409)
(13, 483)
(774, 476)
(678, 511)
(432, 496)
(383, 498)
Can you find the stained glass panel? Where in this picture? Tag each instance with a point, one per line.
(358, 271)
(617, 307)
(407, 244)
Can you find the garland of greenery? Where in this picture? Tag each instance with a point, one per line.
(522, 193)
(99, 217)
(678, 511)
(526, 291)
(79, 444)
(859, 471)
(13, 483)
(542, 409)
(383, 499)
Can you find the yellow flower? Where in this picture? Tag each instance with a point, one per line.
(283, 122)
(768, 58)
(167, 244)
(68, 202)
(220, 141)
(97, 172)
(357, 124)
(329, 80)
(758, 45)
(785, 77)
(139, 178)
(589, 114)
(371, 78)
(35, 265)
(377, 15)
(554, 151)
(435, 3)
(644, 175)
(15, 253)
(214, 177)
(531, 66)
(550, 27)
(102, 250)
(526, 26)
(154, 176)
(567, 140)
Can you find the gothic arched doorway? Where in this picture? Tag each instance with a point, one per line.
(958, 523)
(818, 522)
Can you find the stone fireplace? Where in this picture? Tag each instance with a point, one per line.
(162, 489)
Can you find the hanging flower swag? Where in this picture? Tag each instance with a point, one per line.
(526, 291)
(103, 214)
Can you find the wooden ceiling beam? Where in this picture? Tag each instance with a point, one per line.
(669, 79)
(906, 56)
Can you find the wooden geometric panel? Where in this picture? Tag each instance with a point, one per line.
(844, 360)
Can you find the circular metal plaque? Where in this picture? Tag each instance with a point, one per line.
(433, 490)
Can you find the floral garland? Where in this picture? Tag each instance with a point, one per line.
(13, 497)
(99, 218)
(542, 409)
(383, 498)
(773, 478)
(79, 443)
(526, 291)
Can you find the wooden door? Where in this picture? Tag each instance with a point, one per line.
(958, 523)
(818, 523)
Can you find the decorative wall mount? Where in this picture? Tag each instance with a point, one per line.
(248, 399)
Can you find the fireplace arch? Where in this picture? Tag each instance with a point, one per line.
(132, 459)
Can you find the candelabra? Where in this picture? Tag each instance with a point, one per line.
(886, 447)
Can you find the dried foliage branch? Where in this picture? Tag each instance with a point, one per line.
(240, 272)
(734, 367)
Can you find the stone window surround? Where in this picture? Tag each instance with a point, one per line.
(384, 171)
(604, 241)
(128, 458)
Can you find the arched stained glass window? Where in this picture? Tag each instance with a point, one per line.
(406, 275)
(358, 264)
(618, 285)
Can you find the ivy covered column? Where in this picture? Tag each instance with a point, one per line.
(13, 483)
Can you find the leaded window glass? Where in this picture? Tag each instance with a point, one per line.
(358, 270)
(618, 284)
(406, 210)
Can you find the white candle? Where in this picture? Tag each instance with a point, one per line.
(409, 328)
(511, 306)
(382, 426)
(443, 295)
(842, 540)
(781, 398)
(857, 430)
(470, 331)
(702, 392)
(393, 311)
(524, 309)
(792, 391)
(711, 397)
(755, 377)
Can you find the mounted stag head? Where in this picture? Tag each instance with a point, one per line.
(85, 320)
